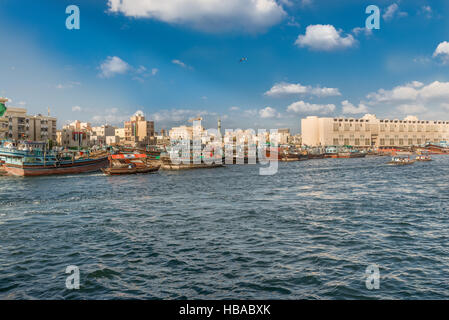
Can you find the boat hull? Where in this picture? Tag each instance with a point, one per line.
(40, 170)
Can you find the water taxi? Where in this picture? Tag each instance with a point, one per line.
(34, 159)
(129, 164)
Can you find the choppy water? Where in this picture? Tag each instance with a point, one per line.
(309, 232)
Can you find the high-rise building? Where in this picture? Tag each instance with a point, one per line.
(368, 131)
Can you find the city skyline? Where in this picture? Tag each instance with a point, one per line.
(255, 66)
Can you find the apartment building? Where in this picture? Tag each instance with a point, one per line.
(20, 126)
(369, 131)
(138, 131)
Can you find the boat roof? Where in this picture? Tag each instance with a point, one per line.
(128, 156)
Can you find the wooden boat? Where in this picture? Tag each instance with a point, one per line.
(423, 158)
(129, 164)
(398, 161)
(24, 160)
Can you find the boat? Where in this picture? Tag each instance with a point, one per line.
(400, 161)
(423, 158)
(129, 164)
(31, 158)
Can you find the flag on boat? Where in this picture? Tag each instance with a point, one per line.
(2, 109)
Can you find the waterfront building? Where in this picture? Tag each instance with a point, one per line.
(369, 131)
(100, 134)
(138, 131)
(284, 136)
(20, 126)
(74, 135)
(79, 126)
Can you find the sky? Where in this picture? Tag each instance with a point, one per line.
(178, 59)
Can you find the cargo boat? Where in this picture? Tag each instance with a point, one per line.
(33, 159)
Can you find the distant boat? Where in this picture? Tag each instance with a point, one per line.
(32, 159)
(129, 164)
(423, 158)
(399, 161)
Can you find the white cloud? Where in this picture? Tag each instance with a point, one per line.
(442, 51)
(305, 107)
(284, 88)
(112, 66)
(268, 112)
(392, 11)
(234, 108)
(154, 71)
(409, 91)
(324, 37)
(349, 108)
(427, 11)
(181, 64)
(411, 108)
(364, 30)
(206, 15)
(76, 108)
(412, 97)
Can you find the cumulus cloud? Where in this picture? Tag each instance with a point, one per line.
(349, 108)
(414, 91)
(284, 88)
(442, 51)
(305, 107)
(205, 15)
(76, 108)
(112, 66)
(324, 37)
(268, 112)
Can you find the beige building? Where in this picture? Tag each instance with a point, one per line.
(369, 131)
(20, 126)
(138, 130)
(75, 134)
(100, 134)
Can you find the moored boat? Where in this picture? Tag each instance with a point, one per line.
(33, 159)
(129, 164)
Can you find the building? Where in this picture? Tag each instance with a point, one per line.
(75, 135)
(79, 126)
(139, 131)
(21, 126)
(100, 134)
(181, 133)
(284, 136)
(368, 132)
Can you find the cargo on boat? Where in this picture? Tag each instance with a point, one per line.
(423, 158)
(399, 161)
(129, 164)
(33, 159)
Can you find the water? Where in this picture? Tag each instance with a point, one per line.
(308, 232)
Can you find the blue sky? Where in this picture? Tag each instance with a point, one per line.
(175, 59)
